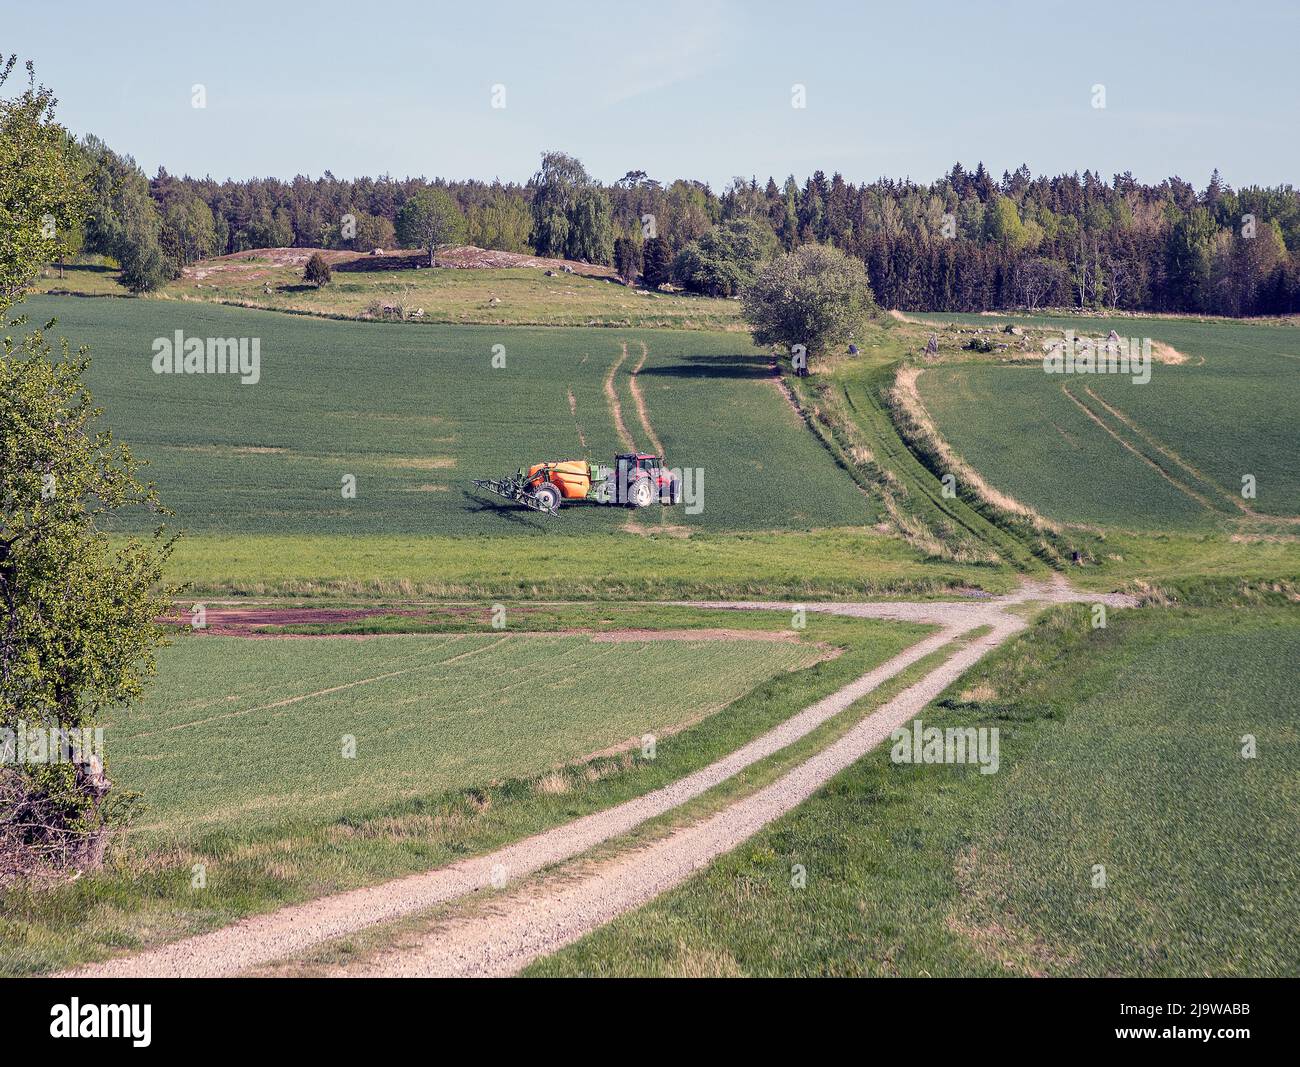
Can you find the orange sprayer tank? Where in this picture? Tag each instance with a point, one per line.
(572, 476)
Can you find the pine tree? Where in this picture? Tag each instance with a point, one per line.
(658, 263)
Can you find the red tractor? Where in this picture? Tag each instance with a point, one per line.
(637, 479)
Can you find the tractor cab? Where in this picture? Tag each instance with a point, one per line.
(637, 461)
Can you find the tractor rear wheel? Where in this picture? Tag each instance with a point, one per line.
(641, 493)
(548, 495)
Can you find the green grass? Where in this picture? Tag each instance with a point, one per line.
(238, 732)
(1113, 752)
(416, 413)
(1173, 560)
(1073, 471)
(525, 296)
(255, 864)
(839, 562)
(1229, 411)
(81, 279)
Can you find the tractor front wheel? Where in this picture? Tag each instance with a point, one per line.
(548, 495)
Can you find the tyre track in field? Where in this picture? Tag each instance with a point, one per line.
(1200, 498)
(1187, 468)
(573, 412)
(643, 413)
(639, 398)
(615, 406)
(287, 701)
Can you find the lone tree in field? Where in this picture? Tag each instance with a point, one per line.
(815, 296)
(317, 272)
(429, 219)
(77, 613)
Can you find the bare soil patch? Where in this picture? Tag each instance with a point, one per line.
(245, 622)
(1164, 353)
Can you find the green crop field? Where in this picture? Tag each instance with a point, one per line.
(1113, 754)
(241, 732)
(1170, 453)
(415, 413)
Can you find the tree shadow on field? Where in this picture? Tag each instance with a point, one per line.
(737, 366)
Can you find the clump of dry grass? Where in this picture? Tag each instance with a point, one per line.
(980, 693)
(553, 784)
(696, 962)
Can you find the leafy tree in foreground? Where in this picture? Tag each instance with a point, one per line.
(815, 296)
(41, 204)
(429, 219)
(77, 614)
(79, 633)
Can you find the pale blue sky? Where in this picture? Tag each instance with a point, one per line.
(697, 89)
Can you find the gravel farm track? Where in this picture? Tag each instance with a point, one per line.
(573, 896)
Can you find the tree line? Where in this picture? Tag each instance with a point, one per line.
(966, 242)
